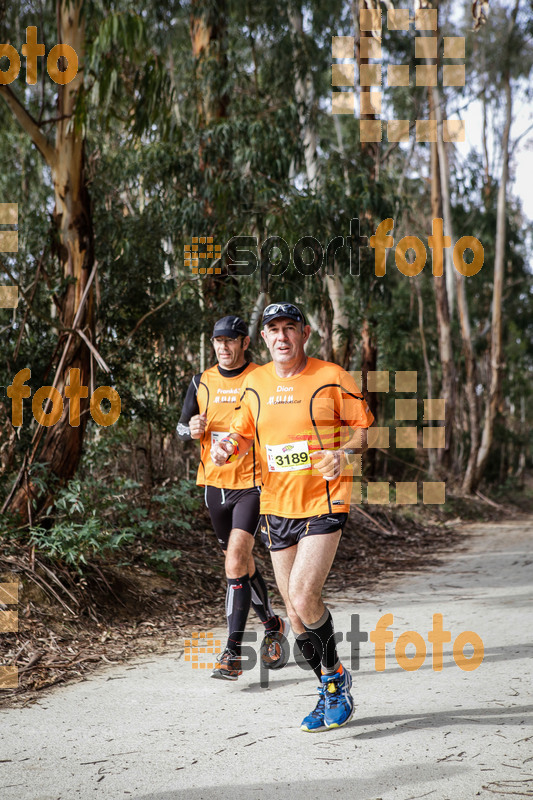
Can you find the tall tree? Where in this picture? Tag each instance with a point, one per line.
(64, 155)
(208, 28)
(332, 319)
(444, 332)
(496, 364)
(440, 157)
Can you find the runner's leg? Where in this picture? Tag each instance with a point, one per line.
(246, 517)
(282, 562)
(310, 569)
(239, 591)
(237, 547)
(260, 599)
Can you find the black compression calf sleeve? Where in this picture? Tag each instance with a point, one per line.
(309, 653)
(260, 600)
(238, 596)
(322, 636)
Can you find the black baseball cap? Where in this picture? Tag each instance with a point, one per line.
(231, 326)
(276, 310)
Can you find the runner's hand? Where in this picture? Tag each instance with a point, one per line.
(220, 453)
(197, 425)
(329, 465)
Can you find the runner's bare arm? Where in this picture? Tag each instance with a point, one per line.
(358, 442)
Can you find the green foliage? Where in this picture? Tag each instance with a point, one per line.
(164, 561)
(97, 521)
(73, 543)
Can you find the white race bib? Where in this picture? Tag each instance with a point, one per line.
(216, 436)
(288, 457)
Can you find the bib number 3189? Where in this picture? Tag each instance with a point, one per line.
(288, 457)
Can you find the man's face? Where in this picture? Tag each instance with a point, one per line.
(286, 339)
(230, 352)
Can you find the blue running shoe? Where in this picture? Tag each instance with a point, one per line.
(339, 706)
(315, 720)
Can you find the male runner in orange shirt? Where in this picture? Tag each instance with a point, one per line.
(307, 417)
(233, 497)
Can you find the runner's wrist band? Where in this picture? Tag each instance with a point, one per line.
(228, 440)
(349, 451)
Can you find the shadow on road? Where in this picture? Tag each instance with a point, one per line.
(341, 787)
(401, 723)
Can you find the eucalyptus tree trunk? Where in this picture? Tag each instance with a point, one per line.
(370, 158)
(369, 150)
(208, 31)
(432, 453)
(333, 327)
(496, 364)
(305, 98)
(62, 446)
(462, 305)
(369, 359)
(440, 157)
(447, 392)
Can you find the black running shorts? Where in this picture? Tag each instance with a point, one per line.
(279, 533)
(232, 508)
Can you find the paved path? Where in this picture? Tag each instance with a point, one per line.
(158, 730)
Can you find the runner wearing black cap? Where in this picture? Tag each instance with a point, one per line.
(307, 418)
(232, 498)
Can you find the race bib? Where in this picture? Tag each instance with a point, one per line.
(216, 436)
(288, 457)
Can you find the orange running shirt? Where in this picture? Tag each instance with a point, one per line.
(218, 395)
(289, 419)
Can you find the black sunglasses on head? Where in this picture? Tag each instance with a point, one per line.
(292, 311)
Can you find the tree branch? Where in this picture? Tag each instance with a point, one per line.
(519, 139)
(153, 311)
(29, 125)
(29, 300)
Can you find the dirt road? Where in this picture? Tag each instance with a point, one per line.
(160, 730)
